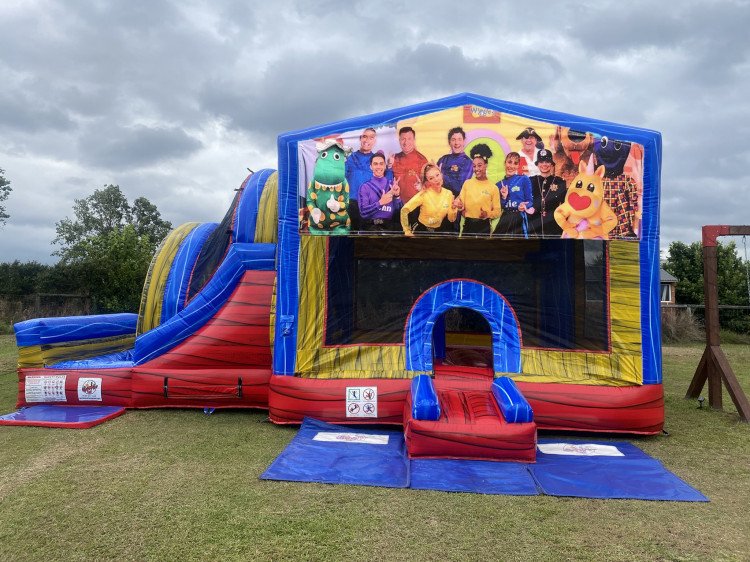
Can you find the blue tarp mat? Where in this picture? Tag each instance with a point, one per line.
(486, 477)
(79, 417)
(349, 461)
(583, 469)
(635, 475)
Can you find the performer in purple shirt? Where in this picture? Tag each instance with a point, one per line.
(379, 200)
(358, 172)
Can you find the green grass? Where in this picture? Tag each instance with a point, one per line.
(176, 484)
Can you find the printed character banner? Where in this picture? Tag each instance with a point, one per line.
(471, 171)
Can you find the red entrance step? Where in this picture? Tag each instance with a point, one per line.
(470, 419)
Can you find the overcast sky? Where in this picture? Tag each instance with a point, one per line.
(173, 100)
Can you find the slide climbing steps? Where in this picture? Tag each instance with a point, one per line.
(474, 417)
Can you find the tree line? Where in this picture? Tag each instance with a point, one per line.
(104, 252)
(685, 262)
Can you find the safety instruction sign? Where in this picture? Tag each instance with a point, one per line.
(90, 388)
(349, 437)
(47, 388)
(580, 449)
(361, 401)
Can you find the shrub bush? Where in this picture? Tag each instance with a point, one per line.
(679, 325)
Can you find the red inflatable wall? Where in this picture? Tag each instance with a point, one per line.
(225, 364)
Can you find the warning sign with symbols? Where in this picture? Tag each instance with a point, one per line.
(361, 401)
(47, 388)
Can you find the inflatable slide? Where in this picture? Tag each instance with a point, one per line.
(201, 338)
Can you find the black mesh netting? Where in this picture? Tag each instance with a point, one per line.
(556, 287)
(213, 251)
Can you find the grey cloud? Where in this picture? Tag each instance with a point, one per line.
(298, 91)
(28, 113)
(110, 58)
(608, 27)
(689, 202)
(605, 29)
(34, 210)
(706, 33)
(26, 243)
(110, 146)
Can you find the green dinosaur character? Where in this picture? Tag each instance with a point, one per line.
(328, 192)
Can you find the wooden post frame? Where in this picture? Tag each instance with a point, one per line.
(714, 366)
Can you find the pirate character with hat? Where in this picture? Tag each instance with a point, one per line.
(531, 144)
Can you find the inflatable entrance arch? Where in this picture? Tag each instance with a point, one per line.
(462, 293)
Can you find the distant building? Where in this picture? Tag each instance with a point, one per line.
(667, 284)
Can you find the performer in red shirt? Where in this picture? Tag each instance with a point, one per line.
(407, 165)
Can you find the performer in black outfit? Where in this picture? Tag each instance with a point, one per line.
(549, 193)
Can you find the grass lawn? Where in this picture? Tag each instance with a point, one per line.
(176, 484)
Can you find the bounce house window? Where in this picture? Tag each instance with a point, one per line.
(557, 288)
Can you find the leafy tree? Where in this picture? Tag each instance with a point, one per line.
(147, 221)
(5, 190)
(685, 262)
(108, 246)
(115, 267)
(104, 211)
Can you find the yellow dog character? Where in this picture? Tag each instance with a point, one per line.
(585, 214)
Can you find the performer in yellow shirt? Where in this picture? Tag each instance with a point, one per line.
(479, 199)
(435, 204)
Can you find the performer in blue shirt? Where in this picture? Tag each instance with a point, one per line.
(516, 200)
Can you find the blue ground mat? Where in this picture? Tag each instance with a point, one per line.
(595, 470)
(322, 452)
(332, 454)
(74, 417)
(486, 477)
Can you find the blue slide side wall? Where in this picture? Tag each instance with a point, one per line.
(513, 404)
(424, 399)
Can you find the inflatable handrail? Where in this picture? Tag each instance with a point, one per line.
(513, 404)
(424, 399)
(246, 216)
(45, 331)
(45, 341)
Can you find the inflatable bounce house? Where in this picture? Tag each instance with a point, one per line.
(469, 268)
